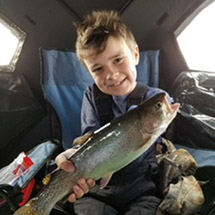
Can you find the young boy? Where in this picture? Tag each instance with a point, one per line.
(109, 51)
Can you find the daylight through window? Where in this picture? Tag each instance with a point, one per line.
(11, 41)
(8, 44)
(197, 41)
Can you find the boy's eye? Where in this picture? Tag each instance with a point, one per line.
(98, 69)
(118, 60)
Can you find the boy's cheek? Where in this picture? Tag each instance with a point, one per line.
(98, 77)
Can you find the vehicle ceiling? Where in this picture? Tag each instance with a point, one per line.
(48, 24)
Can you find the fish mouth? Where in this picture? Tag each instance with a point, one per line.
(172, 109)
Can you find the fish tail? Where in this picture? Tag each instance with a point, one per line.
(28, 208)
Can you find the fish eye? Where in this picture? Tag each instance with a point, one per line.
(158, 105)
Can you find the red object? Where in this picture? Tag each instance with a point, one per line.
(26, 164)
(27, 192)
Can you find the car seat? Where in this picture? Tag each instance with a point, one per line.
(63, 80)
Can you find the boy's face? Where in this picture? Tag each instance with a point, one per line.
(114, 69)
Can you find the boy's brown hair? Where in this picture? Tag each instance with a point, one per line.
(94, 31)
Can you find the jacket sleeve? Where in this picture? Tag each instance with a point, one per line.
(152, 91)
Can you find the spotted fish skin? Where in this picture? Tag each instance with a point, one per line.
(110, 149)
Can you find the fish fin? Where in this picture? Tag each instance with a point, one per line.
(47, 179)
(146, 139)
(79, 141)
(105, 180)
(28, 208)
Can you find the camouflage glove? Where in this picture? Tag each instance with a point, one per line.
(175, 163)
(185, 197)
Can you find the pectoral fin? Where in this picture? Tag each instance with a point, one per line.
(105, 180)
(82, 139)
(144, 144)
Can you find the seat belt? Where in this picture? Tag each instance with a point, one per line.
(137, 95)
(103, 102)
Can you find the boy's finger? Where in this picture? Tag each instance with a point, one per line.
(67, 166)
(63, 162)
(91, 183)
(60, 159)
(72, 198)
(78, 191)
(83, 185)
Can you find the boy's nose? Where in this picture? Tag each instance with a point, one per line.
(112, 74)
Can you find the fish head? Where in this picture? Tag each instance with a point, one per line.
(157, 114)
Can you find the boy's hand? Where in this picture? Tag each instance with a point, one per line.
(83, 185)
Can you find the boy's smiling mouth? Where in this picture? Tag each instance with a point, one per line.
(117, 84)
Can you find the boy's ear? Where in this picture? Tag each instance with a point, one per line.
(136, 55)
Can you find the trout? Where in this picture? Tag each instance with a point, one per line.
(111, 148)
